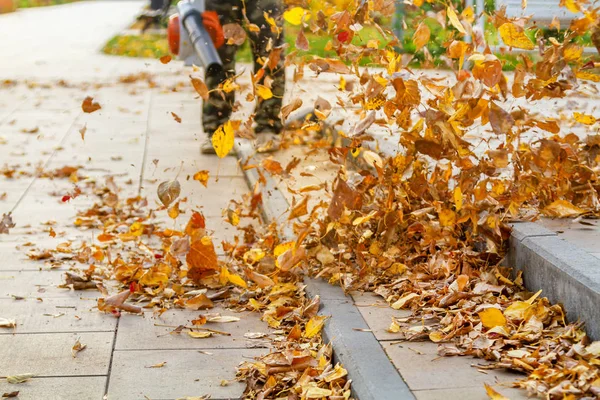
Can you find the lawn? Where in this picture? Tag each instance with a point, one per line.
(42, 3)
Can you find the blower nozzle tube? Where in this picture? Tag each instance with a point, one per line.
(200, 39)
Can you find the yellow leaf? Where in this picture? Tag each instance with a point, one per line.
(394, 327)
(584, 118)
(454, 20)
(202, 177)
(237, 280)
(174, 211)
(493, 395)
(314, 326)
(282, 248)
(458, 198)
(436, 337)
(515, 37)
(271, 21)
(233, 218)
(263, 92)
(229, 86)
(253, 256)
(403, 301)
(492, 317)
(421, 36)
(447, 217)
(222, 139)
(294, 15)
(562, 209)
(518, 310)
(571, 5)
(199, 335)
(136, 229)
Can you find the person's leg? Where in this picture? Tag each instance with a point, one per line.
(217, 109)
(267, 113)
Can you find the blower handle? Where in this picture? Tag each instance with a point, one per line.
(201, 41)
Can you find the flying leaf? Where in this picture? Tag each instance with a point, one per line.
(263, 92)
(492, 317)
(302, 41)
(584, 118)
(299, 209)
(514, 36)
(294, 15)
(202, 177)
(168, 191)
(421, 36)
(82, 131)
(6, 223)
(176, 117)
(89, 106)
(223, 139)
(234, 34)
(291, 107)
(454, 20)
(200, 87)
(166, 59)
(201, 259)
(272, 166)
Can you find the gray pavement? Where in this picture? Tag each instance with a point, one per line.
(135, 140)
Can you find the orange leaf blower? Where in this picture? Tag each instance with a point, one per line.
(195, 34)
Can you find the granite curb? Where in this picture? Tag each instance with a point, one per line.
(373, 375)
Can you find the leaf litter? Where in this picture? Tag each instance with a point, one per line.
(426, 229)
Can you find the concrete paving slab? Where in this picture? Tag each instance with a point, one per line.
(140, 333)
(378, 314)
(470, 393)
(196, 373)
(423, 369)
(76, 388)
(39, 284)
(55, 315)
(50, 354)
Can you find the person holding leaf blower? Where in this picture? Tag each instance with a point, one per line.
(261, 20)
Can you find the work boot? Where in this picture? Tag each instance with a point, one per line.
(267, 142)
(207, 147)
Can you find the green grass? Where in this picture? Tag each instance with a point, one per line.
(145, 45)
(42, 3)
(156, 46)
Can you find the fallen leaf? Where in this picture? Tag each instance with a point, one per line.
(314, 326)
(492, 394)
(7, 323)
(77, 347)
(159, 365)
(223, 319)
(176, 117)
(11, 394)
(492, 317)
(562, 209)
(199, 335)
(20, 378)
(166, 59)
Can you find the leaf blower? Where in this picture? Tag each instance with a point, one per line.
(194, 35)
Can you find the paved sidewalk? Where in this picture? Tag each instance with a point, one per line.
(134, 139)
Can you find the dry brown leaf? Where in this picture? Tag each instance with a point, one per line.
(168, 191)
(89, 106)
